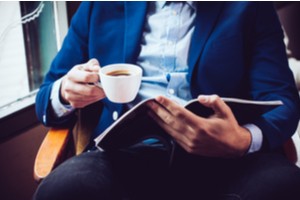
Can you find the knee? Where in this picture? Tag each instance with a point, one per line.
(86, 176)
(278, 185)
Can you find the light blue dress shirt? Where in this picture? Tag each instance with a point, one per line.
(164, 51)
(163, 57)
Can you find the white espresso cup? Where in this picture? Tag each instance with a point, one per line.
(121, 81)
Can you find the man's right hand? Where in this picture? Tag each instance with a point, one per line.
(77, 88)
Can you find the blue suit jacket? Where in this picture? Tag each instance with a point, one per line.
(237, 50)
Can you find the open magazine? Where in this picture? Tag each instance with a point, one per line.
(136, 125)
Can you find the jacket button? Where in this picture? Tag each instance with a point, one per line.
(44, 119)
(115, 115)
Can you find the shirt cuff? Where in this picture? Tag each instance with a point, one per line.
(257, 138)
(59, 109)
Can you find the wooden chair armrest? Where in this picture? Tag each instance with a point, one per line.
(50, 152)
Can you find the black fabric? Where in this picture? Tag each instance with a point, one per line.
(143, 172)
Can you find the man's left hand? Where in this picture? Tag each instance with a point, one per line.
(219, 135)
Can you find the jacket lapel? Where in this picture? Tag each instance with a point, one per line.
(135, 13)
(207, 15)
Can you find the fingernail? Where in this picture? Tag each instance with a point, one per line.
(159, 99)
(203, 98)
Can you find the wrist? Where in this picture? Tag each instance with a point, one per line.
(245, 141)
(58, 108)
(61, 95)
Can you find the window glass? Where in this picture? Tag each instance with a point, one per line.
(28, 43)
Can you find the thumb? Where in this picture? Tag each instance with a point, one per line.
(216, 103)
(93, 61)
(92, 65)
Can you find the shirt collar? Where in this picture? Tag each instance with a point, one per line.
(161, 4)
(193, 4)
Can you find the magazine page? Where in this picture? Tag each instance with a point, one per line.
(136, 125)
(133, 126)
(244, 110)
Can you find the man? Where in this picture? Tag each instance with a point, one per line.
(186, 49)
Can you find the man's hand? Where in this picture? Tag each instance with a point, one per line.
(220, 135)
(77, 88)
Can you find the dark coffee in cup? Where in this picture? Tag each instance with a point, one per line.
(119, 72)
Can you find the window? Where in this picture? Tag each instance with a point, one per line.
(30, 36)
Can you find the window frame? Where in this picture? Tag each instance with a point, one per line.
(19, 115)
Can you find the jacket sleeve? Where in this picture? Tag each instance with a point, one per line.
(270, 78)
(74, 51)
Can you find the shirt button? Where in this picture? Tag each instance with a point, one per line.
(174, 13)
(115, 115)
(171, 91)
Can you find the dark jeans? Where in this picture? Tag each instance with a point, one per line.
(143, 173)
